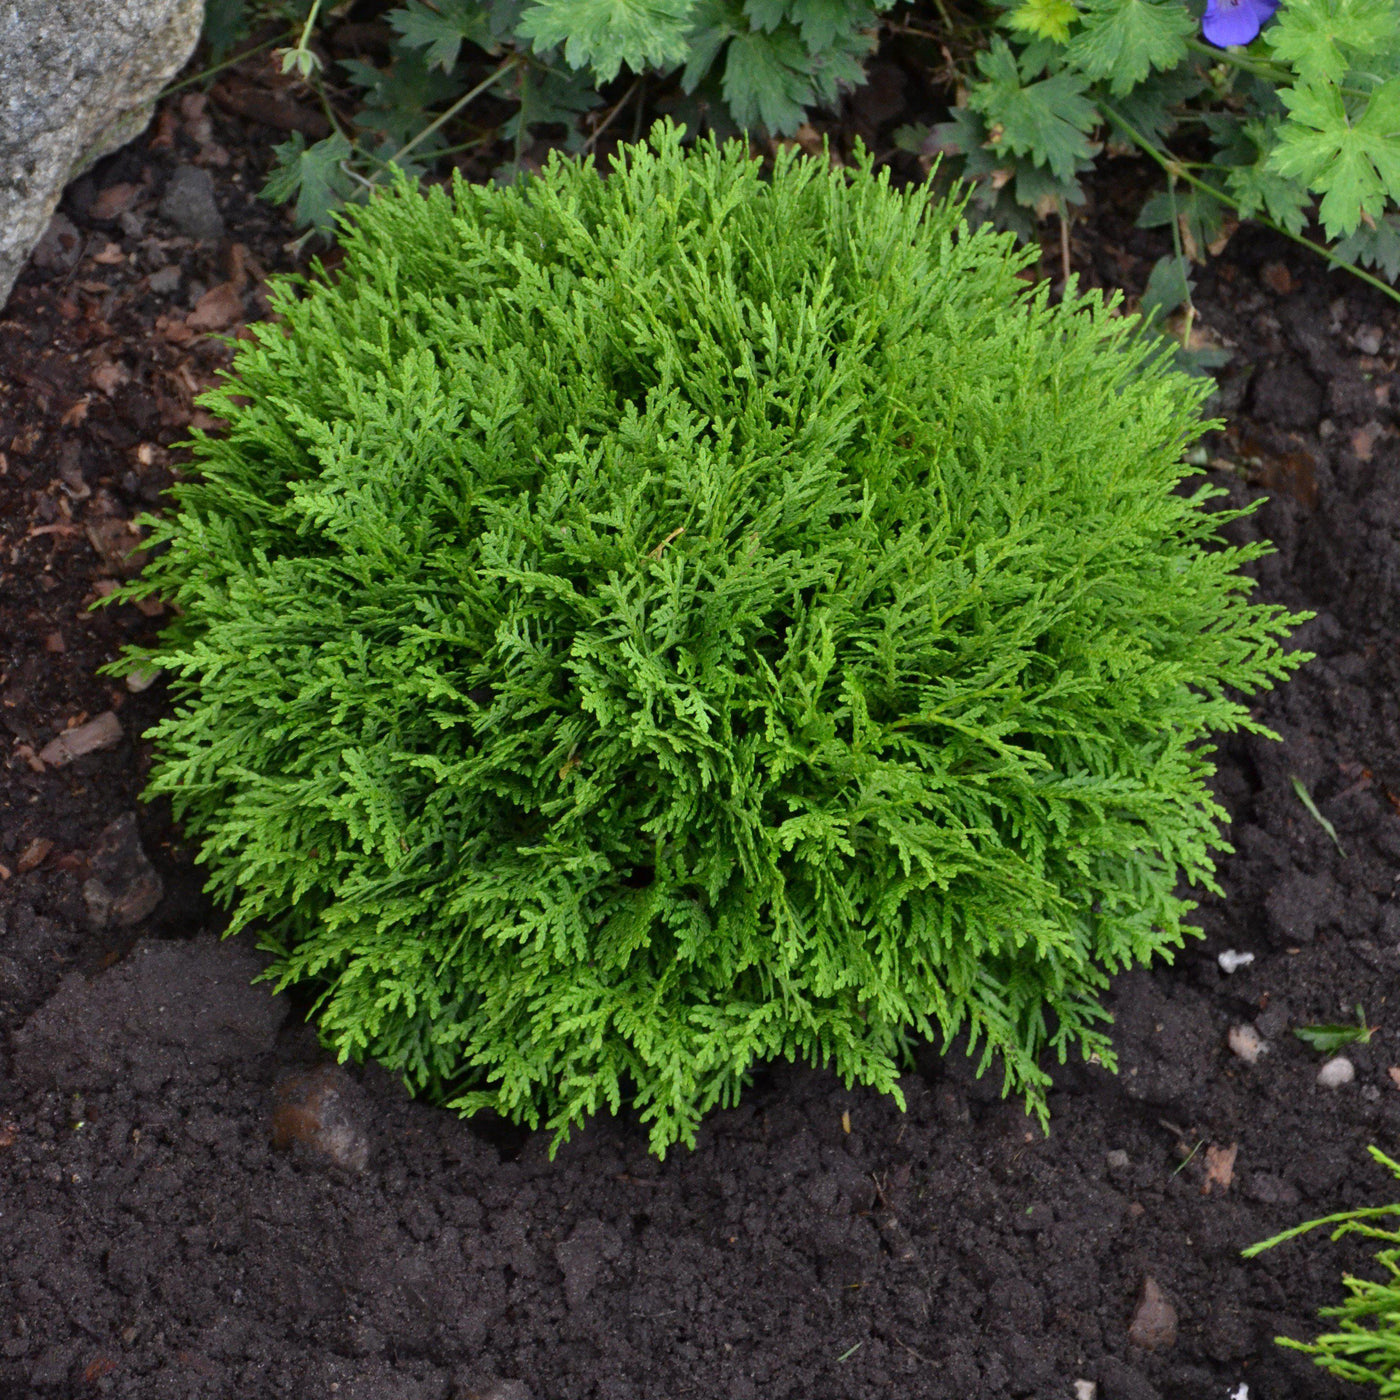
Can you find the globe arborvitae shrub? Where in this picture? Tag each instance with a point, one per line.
(633, 628)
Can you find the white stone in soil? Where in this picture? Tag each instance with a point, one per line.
(1247, 1043)
(1337, 1071)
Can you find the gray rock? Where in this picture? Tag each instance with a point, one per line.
(318, 1109)
(124, 887)
(78, 80)
(104, 732)
(60, 247)
(188, 204)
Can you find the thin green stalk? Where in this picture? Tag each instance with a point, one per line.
(1274, 73)
(227, 63)
(1171, 167)
(508, 66)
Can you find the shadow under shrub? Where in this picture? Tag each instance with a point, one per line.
(634, 628)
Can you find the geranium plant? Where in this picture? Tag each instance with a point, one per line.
(636, 627)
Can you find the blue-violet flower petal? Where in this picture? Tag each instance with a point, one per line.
(1229, 22)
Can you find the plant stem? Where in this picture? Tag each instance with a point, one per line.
(1171, 167)
(227, 63)
(508, 66)
(608, 120)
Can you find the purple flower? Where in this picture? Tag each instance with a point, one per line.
(1229, 22)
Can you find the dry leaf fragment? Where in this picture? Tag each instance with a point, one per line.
(216, 310)
(33, 854)
(1220, 1167)
(109, 376)
(114, 200)
(1363, 441)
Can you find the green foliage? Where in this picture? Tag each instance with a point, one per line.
(1308, 115)
(314, 175)
(605, 34)
(1365, 1348)
(1330, 1038)
(1303, 123)
(763, 64)
(1046, 120)
(632, 629)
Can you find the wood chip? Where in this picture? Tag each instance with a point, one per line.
(33, 855)
(109, 376)
(1154, 1323)
(216, 310)
(1220, 1167)
(104, 732)
(114, 200)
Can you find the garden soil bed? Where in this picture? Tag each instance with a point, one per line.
(195, 1201)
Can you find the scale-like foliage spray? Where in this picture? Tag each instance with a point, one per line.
(634, 628)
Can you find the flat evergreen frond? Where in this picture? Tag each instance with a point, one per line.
(636, 628)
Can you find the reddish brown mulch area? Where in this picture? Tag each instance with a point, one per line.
(168, 1226)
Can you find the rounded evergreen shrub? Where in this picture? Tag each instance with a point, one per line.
(633, 628)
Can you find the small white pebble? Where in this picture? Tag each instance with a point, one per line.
(1241, 1394)
(1117, 1159)
(1247, 1043)
(1085, 1390)
(1368, 340)
(1231, 961)
(1337, 1071)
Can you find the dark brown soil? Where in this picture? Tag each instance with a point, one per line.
(190, 1207)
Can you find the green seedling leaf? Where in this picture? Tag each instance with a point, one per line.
(766, 80)
(1328, 1038)
(302, 59)
(1044, 19)
(1305, 797)
(1258, 188)
(1168, 287)
(225, 22)
(1377, 247)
